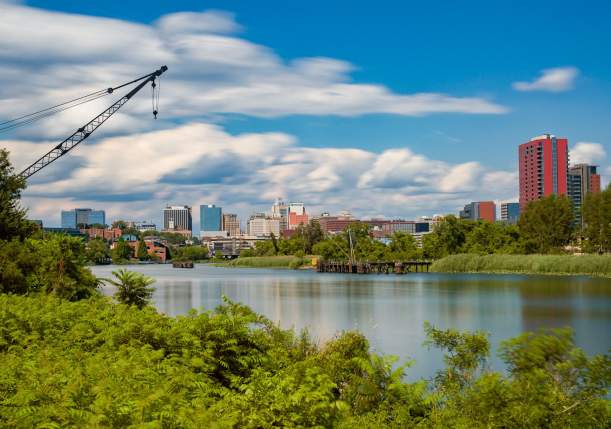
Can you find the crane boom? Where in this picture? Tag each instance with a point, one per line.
(86, 130)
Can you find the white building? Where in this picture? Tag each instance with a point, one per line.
(260, 225)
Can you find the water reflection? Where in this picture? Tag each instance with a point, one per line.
(391, 310)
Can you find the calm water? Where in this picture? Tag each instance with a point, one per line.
(390, 310)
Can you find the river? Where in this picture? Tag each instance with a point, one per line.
(391, 309)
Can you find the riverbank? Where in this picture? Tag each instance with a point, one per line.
(588, 265)
(282, 261)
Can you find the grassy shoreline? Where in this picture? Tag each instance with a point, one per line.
(571, 265)
(283, 262)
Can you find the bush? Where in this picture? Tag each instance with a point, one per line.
(94, 363)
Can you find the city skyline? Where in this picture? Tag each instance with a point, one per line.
(393, 131)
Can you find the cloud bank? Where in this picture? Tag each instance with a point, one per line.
(48, 57)
(557, 79)
(587, 153)
(136, 175)
(134, 166)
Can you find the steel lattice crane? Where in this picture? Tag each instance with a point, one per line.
(86, 130)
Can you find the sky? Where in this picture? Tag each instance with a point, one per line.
(392, 109)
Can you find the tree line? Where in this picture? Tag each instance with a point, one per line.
(545, 227)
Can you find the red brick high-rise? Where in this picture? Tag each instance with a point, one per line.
(543, 166)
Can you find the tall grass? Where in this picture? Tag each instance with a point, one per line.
(269, 262)
(595, 265)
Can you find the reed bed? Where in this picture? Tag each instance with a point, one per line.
(591, 265)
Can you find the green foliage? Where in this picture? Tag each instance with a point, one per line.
(594, 265)
(55, 265)
(96, 364)
(190, 253)
(97, 251)
(121, 224)
(132, 287)
(269, 262)
(122, 252)
(597, 221)
(547, 224)
(141, 251)
(13, 222)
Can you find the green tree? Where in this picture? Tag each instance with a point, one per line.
(13, 222)
(122, 252)
(488, 238)
(597, 221)
(402, 247)
(97, 251)
(132, 288)
(448, 237)
(121, 224)
(142, 252)
(547, 224)
(274, 243)
(61, 268)
(191, 253)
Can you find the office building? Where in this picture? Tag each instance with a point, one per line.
(231, 224)
(583, 179)
(281, 211)
(260, 225)
(335, 224)
(210, 218)
(543, 165)
(510, 212)
(178, 219)
(479, 210)
(82, 217)
(297, 215)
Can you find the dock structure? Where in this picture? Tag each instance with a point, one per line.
(366, 267)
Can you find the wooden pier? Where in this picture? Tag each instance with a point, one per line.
(400, 267)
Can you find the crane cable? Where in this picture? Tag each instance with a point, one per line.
(50, 111)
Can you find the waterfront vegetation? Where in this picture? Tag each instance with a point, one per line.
(591, 265)
(97, 363)
(279, 261)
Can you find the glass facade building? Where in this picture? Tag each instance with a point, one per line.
(86, 217)
(210, 218)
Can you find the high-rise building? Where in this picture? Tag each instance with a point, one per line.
(510, 212)
(210, 218)
(260, 225)
(231, 224)
(583, 179)
(479, 210)
(82, 217)
(281, 211)
(178, 219)
(297, 215)
(543, 164)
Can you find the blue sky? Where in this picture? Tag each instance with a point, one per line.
(464, 50)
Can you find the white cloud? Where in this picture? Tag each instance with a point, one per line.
(553, 80)
(47, 57)
(135, 176)
(587, 153)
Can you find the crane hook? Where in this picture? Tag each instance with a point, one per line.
(155, 99)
